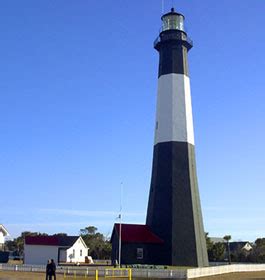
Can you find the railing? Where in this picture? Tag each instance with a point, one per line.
(157, 40)
(141, 272)
(102, 272)
(186, 38)
(189, 40)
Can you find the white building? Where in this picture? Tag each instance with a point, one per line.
(3, 234)
(38, 249)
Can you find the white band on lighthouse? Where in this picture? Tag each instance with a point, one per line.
(174, 120)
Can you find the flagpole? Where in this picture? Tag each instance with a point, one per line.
(120, 243)
(120, 225)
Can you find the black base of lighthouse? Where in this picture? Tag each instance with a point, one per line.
(174, 211)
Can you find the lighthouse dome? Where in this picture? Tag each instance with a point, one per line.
(173, 21)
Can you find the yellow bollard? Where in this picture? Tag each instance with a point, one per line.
(64, 275)
(130, 274)
(75, 274)
(96, 274)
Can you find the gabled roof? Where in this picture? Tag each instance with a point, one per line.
(4, 230)
(238, 245)
(61, 241)
(131, 233)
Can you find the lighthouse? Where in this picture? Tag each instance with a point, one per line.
(174, 210)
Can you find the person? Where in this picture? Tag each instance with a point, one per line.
(49, 269)
(53, 269)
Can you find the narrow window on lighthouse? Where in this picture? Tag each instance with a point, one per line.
(140, 253)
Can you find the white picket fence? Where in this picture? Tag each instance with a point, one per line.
(78, 270)
(145, 273)
(224, 269)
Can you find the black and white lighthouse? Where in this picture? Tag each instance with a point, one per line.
(174, 210)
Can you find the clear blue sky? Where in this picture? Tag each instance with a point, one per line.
(77, 111)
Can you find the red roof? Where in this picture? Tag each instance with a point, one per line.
(131, 233)
(50, 240)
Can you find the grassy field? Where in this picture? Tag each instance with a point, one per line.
(6, 275)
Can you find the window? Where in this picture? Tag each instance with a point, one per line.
(173, 21)
(140, 253)
(81, 253)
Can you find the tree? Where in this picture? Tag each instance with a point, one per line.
(260, 242)
(60, 234)
(99, 246)
(217, 252)
(258, 253)
(11, 245)
(227, 238)
(90, 230)
(209, 243)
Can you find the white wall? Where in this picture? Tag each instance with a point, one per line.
(73, 253)
(38, 254)
(174, 110)
(2, 239)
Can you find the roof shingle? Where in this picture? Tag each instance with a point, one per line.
(64, 241)
(131, 233)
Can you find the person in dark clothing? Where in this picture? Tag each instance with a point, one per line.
(49, 270)
(53, 269)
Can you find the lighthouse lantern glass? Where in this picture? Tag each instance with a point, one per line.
(173, 21)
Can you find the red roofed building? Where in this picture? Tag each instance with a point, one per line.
(61, 248)
(138, 244)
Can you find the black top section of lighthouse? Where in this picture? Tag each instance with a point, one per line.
(174, 210)
(173, 44)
